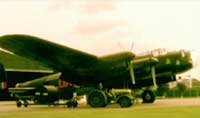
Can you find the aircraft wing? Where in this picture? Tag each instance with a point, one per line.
(53, 55)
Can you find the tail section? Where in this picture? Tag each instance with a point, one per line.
(3, 85)
(3, 79)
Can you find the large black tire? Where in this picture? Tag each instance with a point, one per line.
(148, 96)
(125, 102)
(75, 104)
(25, 104)
(97, 98)
(72, 104)
(19, 104)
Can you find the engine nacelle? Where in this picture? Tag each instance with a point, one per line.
(161, 78)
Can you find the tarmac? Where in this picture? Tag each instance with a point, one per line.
(10, 106)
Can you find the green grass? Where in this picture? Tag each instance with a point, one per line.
(133, 112)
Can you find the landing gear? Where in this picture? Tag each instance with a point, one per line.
(25, 103)
(72, 104)
(97, 98)
(19, 103)
(148, 96)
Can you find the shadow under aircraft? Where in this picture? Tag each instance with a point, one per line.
(93, 76)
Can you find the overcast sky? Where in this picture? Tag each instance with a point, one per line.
(106, 26)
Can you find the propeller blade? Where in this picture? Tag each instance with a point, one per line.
(131, 69)
(153, 73)
(132, 45)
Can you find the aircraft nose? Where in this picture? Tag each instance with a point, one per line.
(189, 58)
(195, 58)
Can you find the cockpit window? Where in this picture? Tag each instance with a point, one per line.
(159, 52)
(155, 52)
(182, 53)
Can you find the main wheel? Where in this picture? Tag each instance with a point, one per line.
(69, 104)
(19, 104)
(75, 104)
(72, 104)
(125, 102)
(25, 104)
(97, 98)
(148, 96)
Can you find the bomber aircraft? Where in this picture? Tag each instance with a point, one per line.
(97, 76)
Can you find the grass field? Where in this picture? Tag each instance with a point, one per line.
(133, 112)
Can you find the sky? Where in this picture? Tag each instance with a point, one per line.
(103, 27)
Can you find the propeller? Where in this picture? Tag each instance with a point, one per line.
(132, 45)
(123, 48)
(132, 62)
(151, 60)
(153, 73)
(131, 69)
(129, 64)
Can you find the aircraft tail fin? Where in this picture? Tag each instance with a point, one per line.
(3, 85)
(3, 79)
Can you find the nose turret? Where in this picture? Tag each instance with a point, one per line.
(186, 61)
(187, 57)
(174, 61)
